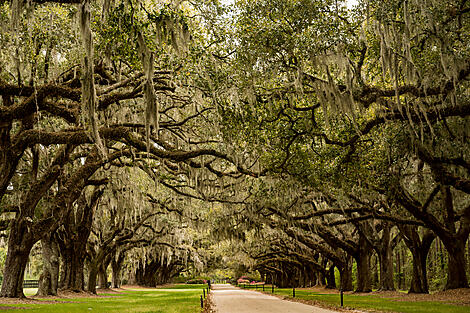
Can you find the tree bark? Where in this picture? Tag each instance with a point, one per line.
(24, 232)
(146, 277)
(419, 249)
(116, 266)
(102, 277)
(116, 278)
(383, 247)
(330, 277)
(456, 275)
(402, 285)
(363, 265)
(375, 270)
(98, 266)
(73, 240)
(73, 265)
(454, 241)
(49, 280)
(8, 157)
(468, 254)
(20, 243)
(398, 268)
(103, 273)
(154, 273)
(419, 281)
(386, 268)
(321, 281)
(132, 278)
(346, 275)
(92, 275)
(455, 245)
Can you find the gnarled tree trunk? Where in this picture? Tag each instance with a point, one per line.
(102, 278)
(92, 276)
(363, 265)
(98, 266)
(386, 267)
(73, 265)
(456, 275)
(20, 243)
(116, 266)
(330, 277)
(73, 240)
(419, 249)
(346, 275)
(49, 280)
(455, 243)
(103, 273)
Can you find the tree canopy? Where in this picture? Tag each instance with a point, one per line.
(296, 136)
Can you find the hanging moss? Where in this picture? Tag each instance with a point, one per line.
(152, 108)
(16, 10)
(88, 85)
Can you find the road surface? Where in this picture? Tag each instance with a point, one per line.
(229, 299)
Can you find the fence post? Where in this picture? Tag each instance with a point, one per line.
(341, 295)
(202, 303)
(272, 287)
(263, 287)
(204, 293)
(293, 292)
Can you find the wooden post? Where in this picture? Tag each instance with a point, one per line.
(341, 293)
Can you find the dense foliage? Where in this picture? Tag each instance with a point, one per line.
(298, 139)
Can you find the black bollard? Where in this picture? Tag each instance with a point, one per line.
(293, 292)
(204, 292)
(202, 303)
(341, 295)
(263, 287)
(272, 288)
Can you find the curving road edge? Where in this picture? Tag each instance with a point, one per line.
(229, 299)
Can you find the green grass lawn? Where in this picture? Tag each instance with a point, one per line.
(180, 300)
(374, 302)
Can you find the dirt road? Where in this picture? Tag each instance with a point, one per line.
(229, 299)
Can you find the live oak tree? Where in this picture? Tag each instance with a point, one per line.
(356, 101)
(356, 117)
(91, 116)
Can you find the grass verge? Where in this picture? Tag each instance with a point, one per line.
(372, 303)
(185, 300)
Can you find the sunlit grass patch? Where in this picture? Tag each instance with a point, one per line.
(128, 301)
(373, 302)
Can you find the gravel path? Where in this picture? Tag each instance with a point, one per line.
(229, 299)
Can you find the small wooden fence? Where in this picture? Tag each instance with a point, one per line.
(30, 283)
(253, 286)
(27, 283)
